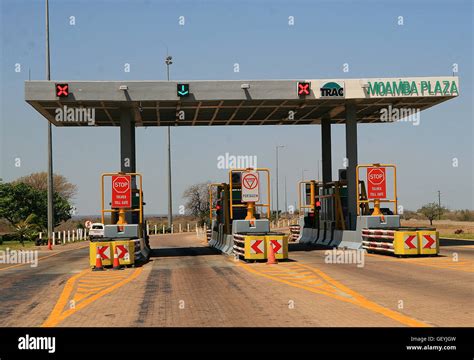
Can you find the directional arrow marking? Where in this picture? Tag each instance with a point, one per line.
(408, 242)
(182, 90)
(429, 241)
(276, 246)
(256, 246)
(123, 251)
(101, 251)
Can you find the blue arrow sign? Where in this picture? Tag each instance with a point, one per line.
(183, 90)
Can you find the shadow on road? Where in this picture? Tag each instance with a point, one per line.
(184, 251)
(306, 247)
(455, 242)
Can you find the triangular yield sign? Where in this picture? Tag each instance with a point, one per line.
(249, 181)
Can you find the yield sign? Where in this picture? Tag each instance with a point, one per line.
(409, 242)
(250, 181)
(428, 241)
(104, 252)
(256, 247)
(276, 246)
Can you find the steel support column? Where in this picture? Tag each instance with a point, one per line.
(351, 155)
(326, 149)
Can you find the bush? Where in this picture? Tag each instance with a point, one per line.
(9, 237)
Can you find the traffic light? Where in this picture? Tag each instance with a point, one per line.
(62, 90)
(218, 209)
(304, 88)
(236, 178)
(318, 205)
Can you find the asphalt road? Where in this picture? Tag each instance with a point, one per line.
(187, 283)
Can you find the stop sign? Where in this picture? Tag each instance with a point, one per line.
(376, 183)
(121, 191)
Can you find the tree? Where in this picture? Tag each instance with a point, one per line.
(39, 181)
(431, 211)
(197, 201)
(19, 200)
(27, 229)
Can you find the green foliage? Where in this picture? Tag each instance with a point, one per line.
(27, 229)
(18, 201)
(432, 211)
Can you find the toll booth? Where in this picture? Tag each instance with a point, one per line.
(324, 217)
(125, 237)
(239, 216)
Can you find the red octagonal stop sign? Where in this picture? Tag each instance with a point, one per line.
(376, 183)
(121, 191)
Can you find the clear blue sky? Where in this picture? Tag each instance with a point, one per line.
(256, 35)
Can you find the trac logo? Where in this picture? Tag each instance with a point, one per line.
(332, 89)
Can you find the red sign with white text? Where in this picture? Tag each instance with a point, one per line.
(121, 191)
(376, 183)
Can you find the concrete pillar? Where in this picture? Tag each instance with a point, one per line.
(326, 149)
(127, 141)
(351, 155)
(127, 148)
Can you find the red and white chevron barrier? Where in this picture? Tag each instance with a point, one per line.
(385, 237)
(294, 232)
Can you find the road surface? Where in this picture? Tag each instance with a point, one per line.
(187, 283)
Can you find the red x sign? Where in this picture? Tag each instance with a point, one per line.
(62, 90)
(303, 88)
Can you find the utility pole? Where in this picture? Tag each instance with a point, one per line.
(277, 204)
(286, 199)
(439, 205)
(50, 143)
(168, 62)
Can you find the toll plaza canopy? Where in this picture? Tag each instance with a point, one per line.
(235, 102)
(128, 104)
